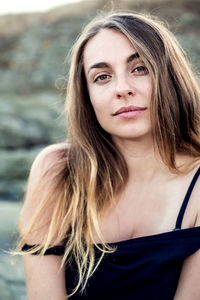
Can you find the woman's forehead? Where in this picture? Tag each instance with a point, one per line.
(107, 45)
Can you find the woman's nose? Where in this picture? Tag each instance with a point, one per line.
(123, 88)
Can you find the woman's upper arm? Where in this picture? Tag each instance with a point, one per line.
(189, 286)
(44, 279)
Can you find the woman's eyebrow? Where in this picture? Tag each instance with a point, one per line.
(133, 57)
(101, 65)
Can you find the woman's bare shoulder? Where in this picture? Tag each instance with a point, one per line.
(40, 187)
(49, 155)
(47, 161)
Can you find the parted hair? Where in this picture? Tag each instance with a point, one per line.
(92, 170)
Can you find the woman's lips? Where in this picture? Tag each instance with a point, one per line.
(129, 111)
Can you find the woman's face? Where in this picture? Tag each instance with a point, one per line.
(119, 85)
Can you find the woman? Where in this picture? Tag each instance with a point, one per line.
(115, 212)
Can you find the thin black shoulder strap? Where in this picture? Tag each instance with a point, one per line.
(186, 199)
(56, 250)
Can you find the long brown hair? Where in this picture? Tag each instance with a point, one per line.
(94, 170)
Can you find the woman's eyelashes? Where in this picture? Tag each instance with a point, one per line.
(102, 78)
(138, 70)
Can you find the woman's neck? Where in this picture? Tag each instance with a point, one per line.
(142, 159)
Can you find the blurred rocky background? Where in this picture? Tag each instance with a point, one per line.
(33, 72)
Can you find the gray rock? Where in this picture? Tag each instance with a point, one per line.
(34, 61)
(191, 46)
(12, 280)
(6, 293)
(27, 124)
(18, 290)
(11, 269)
(9, 212)
(27, 121)
(15, 166)
(12, 189)
(16, 163)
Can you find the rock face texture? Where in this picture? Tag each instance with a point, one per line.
(33, 71)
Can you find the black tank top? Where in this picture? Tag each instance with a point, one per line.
(141, 268)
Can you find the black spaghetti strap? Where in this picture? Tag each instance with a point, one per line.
(186, 199)
(56, 250)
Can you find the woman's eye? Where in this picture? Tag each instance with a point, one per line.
(102, 77)
(140, 70)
